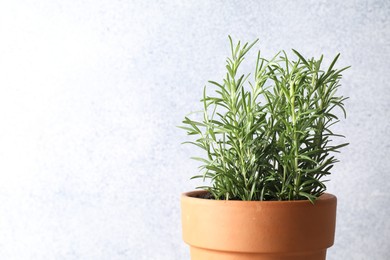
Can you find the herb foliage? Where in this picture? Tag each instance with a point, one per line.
(270, 139)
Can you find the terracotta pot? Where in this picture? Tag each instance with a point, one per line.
(261, 230)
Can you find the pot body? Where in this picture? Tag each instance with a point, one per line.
(261, 230)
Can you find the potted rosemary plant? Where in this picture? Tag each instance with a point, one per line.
(268, 153)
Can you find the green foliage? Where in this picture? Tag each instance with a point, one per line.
(270, 139)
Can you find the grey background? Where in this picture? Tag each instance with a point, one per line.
(91, 165)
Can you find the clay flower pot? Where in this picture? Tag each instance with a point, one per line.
(261, 230)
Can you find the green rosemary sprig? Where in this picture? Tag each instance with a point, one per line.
(270, 139)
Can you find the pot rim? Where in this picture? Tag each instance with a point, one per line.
(190, 195)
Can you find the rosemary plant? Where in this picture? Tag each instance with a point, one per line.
(270, 139)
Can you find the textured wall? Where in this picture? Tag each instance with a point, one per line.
(91, 165)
